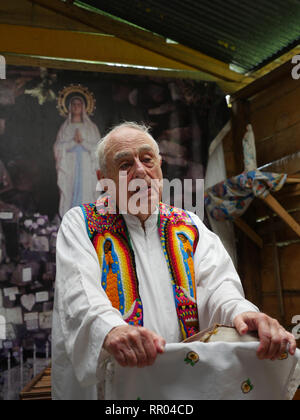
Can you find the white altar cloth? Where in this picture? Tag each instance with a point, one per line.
(206, 371)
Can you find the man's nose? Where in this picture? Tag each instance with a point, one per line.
(139, 170)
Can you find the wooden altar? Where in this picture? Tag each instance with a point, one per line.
(39, 388)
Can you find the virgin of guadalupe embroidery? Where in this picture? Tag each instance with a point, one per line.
(179, 238)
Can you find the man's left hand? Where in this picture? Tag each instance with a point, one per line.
(274, 339)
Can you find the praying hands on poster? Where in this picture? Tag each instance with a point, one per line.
(78, 138)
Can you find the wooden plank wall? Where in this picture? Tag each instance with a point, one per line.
(274, 112)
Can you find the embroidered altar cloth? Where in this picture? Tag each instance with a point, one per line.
(207, 371)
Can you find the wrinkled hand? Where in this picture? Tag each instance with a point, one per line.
(134, 346)
(274, 339)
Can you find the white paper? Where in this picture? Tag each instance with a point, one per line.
(11, 291)
(45, 319)
(31, 316)
(42, 297)
(26, 274)
(6, 215)
(14, 316)
(32, 325)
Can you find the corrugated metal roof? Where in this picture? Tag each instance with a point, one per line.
(244, 33)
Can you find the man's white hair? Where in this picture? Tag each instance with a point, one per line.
(100, 151)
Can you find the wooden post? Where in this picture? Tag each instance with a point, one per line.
(249, 262)
(250, 269)
(277, 274)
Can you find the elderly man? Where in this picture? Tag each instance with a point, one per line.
(127, 284)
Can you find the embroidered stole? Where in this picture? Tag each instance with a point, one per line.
(179, 238)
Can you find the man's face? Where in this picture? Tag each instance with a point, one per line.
(131, 156)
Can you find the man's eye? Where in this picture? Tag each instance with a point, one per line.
(124, 166)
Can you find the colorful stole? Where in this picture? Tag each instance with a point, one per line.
(179, 237)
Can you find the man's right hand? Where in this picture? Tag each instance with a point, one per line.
(134, 346)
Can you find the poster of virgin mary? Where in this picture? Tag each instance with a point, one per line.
(74, 152)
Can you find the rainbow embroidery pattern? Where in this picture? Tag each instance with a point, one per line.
(110, 238)
(179, 238)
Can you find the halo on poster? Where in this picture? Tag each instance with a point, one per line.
(67, 93)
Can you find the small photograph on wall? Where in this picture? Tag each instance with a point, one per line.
(50, 123)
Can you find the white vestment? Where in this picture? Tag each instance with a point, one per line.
(83, 315)
(76, 164)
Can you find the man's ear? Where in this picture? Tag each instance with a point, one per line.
(99, 175)
(161, 160)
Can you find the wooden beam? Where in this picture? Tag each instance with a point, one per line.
(249, 232)
(292, 180)
(72, 50)
(23, 12)
(84, 65)
(108, 25)
(282, 213)
(80, 46)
